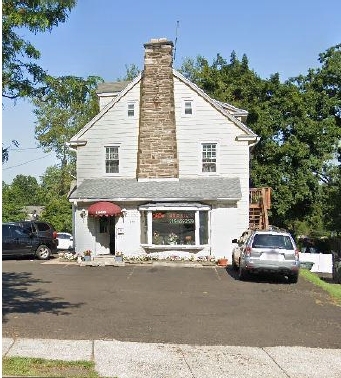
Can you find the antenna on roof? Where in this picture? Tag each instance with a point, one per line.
(176, 39)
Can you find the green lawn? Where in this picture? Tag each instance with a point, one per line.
(333, 289)
(38, 367)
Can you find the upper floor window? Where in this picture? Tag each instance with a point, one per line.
(187, 107)
(131, 109)
(209, 157)
(112, 159)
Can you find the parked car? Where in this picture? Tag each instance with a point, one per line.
(42, 229)
(19, 241)
(65, 241)
(259, 251)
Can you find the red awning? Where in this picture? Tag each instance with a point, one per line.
(103, 209)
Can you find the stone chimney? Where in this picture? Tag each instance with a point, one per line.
(157, 148)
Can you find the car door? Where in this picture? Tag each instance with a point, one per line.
(7, 240)
(20, 241)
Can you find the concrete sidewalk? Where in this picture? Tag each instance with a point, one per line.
(142, 360)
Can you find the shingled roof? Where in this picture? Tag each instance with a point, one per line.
(199, 189)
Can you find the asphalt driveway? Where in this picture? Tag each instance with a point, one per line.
(201, 306)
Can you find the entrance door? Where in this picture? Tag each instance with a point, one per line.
(112, 233)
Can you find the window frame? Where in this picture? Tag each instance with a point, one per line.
(116, 145)
(185, 108)
(129, 104)
(201, 154)
(147, 213)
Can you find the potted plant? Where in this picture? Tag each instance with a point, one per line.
(87, 255)
(119, 256)
(172, 238)
(222, 261)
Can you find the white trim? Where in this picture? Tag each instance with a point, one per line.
(217, 171)
(183, 107)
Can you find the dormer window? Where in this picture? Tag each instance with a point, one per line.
(131, 109)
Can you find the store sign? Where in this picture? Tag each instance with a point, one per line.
(175, 217)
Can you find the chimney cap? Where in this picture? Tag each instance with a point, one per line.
(158, 41)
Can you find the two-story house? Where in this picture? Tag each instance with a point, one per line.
(162, 169)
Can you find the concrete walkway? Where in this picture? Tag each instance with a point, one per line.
(141, 360)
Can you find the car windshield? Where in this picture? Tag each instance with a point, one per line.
(272, 241)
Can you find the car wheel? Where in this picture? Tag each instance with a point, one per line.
(43, 252)
(242, 273)
(234, 265)
(293, 278)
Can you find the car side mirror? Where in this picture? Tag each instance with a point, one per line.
(234, 240)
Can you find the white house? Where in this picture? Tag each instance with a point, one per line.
(162, 169)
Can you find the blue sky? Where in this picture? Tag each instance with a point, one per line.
(101, 37)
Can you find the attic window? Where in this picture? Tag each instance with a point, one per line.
(187, 107)
(131, 109)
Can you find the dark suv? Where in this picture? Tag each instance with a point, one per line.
(42, 229)
(17, 240)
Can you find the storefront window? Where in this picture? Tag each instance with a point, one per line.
(203, 228)
(174, 227)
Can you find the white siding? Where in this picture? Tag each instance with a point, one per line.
(113, 127)
(206, 124)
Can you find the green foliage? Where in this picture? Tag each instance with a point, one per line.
(21, 75)
(298, 122)
(11, 210)
(132, 71)
(58, 211)
(39, 367)
(333, 290)
(69, 103)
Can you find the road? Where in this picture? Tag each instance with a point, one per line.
(158, 304)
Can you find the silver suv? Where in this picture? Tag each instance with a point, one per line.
(266, 252)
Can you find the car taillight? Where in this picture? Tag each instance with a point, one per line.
(54, 235)
(297, 254)
(248, 251)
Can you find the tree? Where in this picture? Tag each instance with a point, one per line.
(298, 122)
(21, 75)
(69, 103)
(5, 150)
(11, 210)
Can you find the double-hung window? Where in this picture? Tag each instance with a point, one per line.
(209, 157)
(131, 109)
(112, 161)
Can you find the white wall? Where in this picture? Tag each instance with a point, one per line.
(323, 262)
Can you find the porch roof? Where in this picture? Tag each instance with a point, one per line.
(120, 189)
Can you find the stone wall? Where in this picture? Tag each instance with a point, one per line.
(157, 150)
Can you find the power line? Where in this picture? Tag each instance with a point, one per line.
(26, 162)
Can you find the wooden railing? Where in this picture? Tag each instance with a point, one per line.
(260, 203)
(260, 196)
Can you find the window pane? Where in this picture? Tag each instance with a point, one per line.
(173, 227)
(203, 228)
(188, 107)
(131, 108)
(209, 157)
(111, 160)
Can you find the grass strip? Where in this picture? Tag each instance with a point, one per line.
(39, 367)
(333, 289)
